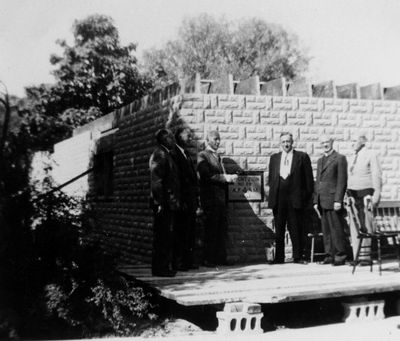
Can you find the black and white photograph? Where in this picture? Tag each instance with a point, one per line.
(200, 170)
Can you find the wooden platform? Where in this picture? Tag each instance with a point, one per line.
(264, 283)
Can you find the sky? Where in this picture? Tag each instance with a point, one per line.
(348, 40)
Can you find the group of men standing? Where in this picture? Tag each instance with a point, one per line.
(291, 188)
(176, 184)
(175, 188)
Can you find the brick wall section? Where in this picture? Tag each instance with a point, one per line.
(125, 217)
(250, 127)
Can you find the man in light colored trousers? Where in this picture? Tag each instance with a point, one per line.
(364, 185)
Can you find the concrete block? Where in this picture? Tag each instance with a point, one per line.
(361, 311)
(334, 106)
(242, 117)
(392, 93)
(372, 91)
(250, 86)
(214, 116)
(258, 102)
(351, 90)
(240, 318)
(282, 103)
(222, 85)
(324, 89)
(276, 87)
(300, 87)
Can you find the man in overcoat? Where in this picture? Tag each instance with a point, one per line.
(213, 185)
(290, 182)
(165, 201)
(330, 188)
(185, 219)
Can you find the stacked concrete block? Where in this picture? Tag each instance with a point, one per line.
(250, 127)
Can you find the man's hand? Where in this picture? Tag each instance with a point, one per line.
(231, 178)
(375, 199)
(337, 206)
(317, 210)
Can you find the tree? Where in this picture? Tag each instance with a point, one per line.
(97, 71)
(267, 50)
(93, 77)
(13, 237)
(213, 46)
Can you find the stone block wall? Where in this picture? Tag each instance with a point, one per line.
(250, 126)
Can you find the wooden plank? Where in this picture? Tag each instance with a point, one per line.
(267, 283)
(280, 295)
(240, 273)
(264, 283)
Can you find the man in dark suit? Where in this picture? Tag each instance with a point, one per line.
(213, 182)
(165, 201)
(185, 219)
(330, 188)
(290, 182)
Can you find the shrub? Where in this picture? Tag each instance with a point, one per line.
(82, 285)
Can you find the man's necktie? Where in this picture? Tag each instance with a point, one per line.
(286, 162)
(221, 164)
(354, 163)
(285, 168)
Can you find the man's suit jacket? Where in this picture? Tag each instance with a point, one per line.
(212, 180)
(187, 176)
(164, 181)
(331, 181)
(300, 180)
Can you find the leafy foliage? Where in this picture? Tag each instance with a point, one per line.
(46, 261)
(214, 46)
(97, 301)
(92, 77)
(81, 284)
(96, 71)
